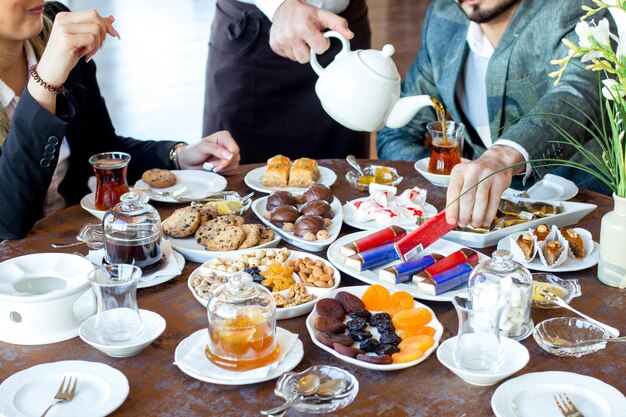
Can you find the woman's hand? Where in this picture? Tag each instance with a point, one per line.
(219, 150)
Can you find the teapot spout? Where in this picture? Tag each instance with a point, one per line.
(405, 109)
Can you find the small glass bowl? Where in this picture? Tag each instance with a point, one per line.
(391, 177)
(570, 289)
(286, 388)
(566, 336)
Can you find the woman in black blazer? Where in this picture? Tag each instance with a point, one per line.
(30, 140)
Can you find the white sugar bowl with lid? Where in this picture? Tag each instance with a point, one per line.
(517, 281)
(44, 298)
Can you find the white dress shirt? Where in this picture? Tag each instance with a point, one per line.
(472, 90)
(268, 7)
(9, 99)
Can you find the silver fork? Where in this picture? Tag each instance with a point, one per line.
(561, 303)
(566, 407)
(64, 394)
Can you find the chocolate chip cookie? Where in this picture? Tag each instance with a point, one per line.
(182, 223)
(225, 240)
(253, 235)
(159, 178)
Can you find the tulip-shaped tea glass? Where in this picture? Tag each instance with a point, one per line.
(478, 342)
(446, 147)
(115, 286)
(110, 169)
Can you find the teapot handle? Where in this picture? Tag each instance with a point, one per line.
(319, 70)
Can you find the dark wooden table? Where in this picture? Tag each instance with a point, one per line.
(158, 388)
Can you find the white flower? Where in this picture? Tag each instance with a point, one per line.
(621, 46)
(583, 30)
(612, 89)
(599, 32)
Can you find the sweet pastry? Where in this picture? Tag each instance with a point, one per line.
(303, 173)
(280, 198)
(526, 244)
(159, 178)
(182, 223)
(318, 208)
(253, 235)
(284, 214)
(280, 160)
(277, 172)
(318, 192)
(575, 242)
(308, 224)
(552, 251)
(541, 232)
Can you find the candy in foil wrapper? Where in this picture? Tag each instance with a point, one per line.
(542, 209)
(507, 221)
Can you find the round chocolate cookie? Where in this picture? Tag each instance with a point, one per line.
(308, 224)
(280, 198)
(159, 178)
(284, 214)
(318, 208)
(318, 192)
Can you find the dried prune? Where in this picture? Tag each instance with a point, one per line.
(357, 324)
(256, 274)
(331, 308)
(369, 345)
(379, 317)
(350, 302)
(329, 339)
(379, 360)
(347, 350)
(360, 335)
(390, 338)
(363, 314)
(385, 326)
(329, 324)
(386, 349)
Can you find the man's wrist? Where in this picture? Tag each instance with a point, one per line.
(175, 154)
(509, 156)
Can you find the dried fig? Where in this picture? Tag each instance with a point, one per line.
(350, 302)
(329, 339)
(379, 360)
(347, 350)
(329, 324)
(328, 307)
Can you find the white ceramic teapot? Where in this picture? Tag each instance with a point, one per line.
(361, 89)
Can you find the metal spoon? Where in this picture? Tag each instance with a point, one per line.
(327, 391)
(555, 341)
(307, 385)
(331, 388)
(93, 244)
(354, 164)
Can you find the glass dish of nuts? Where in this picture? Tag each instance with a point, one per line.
(296, 279)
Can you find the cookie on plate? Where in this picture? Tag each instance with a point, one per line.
(159, 178)
(226, 240)
(253, 235)
(182, 223)
(267, 235)
(206, 211)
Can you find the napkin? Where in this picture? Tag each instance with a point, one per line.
(170, 266)
(197, 362)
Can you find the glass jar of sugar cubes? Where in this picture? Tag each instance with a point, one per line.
(516, 281)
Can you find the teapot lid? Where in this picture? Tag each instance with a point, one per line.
(380, 61)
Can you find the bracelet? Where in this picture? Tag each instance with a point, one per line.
(35, 76)
(174, 154)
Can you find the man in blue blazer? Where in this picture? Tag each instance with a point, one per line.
(488, 62)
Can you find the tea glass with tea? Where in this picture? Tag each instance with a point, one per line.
(110, 169)
(446, 146)
(115, 287)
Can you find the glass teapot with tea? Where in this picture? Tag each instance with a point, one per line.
(242, 325)
(132, 234)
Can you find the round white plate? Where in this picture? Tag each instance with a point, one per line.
(570, 265)
(254, 177)
(437, 180)
(198, 184)
(101, 389)
(370, 276)
(87, 203)
(348, 218)
(532, 395)
(358, 291)
(258, 207)
(550, 187)
(285, 312)
(290, 360)
(195, 252)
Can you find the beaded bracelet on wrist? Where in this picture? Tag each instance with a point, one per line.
(35, 76)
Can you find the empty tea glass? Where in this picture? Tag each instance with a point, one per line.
(115, 286)
(446, 147)
(110, 169)
(478, 342)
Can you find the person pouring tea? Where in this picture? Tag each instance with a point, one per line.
(488, 62)
(53, 118)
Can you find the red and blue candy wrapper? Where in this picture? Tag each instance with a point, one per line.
(444, 281)
(372, 258)
(452, 260)
(404, 271)
(413, 243)
(387, 235)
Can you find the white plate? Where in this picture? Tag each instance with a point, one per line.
(358, 291)
(153, 327)
(195, 252)
(101, 389)
(532, 395)
(348, 218)
(291, 359)
(550, 187)
(87, 203)
(281, 313)
(515, 357)
(437, 180)
(254, 177)
(571, 213)
(198, 184)
(571, 264)
(258, 207)
(442, 247)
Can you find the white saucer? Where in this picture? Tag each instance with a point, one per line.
(550, 187)
(532, 395)
(437, 180)
(215, 375)
(153, 327)
(101, 389)
(254, 177)
(515, 358)
(198, 184)
(87, 203)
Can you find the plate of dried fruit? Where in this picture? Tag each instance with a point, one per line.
(296, 279)
(374, 328)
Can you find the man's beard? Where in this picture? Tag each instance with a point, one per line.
(480, 14)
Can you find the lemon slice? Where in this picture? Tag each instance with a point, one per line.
(553, 288)
(227, 206)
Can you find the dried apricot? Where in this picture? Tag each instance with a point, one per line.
(427, 330)
(376, 298)
(406, 356)
(421, 342)
(411, 319)
(399, 300)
